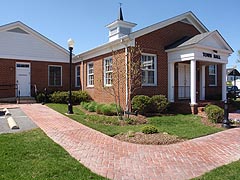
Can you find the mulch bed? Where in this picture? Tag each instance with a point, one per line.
(154, 139)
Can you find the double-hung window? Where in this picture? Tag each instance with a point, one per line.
(108, 71)
(54, 75)
(77, 75)
(212, 75)
(90, 74)
(149, 69)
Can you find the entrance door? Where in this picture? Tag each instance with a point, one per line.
(23, 78)
(183, 81)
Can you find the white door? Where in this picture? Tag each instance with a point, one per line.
(23, 78)
(183, 81)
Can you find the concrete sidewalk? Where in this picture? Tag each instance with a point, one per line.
(125, 161)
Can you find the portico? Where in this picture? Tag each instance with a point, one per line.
(197, 64)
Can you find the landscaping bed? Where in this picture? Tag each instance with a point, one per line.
(171, 128)
(154, 139)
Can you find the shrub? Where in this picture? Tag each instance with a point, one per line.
(79, 96)
(85, 105)
(109, 110)
(159, 103)
(141, 103)
(214, 113)
(62, 97)
(92, 106)
(149, 129)
(40, 97)
(59, 97)
(99, 108)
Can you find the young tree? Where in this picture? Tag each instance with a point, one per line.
(125, 75)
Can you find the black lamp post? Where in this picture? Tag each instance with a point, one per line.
(70, 47)
(226, 122)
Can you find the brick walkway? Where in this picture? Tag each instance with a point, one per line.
(124, 161)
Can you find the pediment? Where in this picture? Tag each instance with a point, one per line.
(215, 41)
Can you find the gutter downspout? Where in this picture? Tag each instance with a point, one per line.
(126, 74)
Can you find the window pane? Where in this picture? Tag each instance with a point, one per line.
(90, 74)
(108, 71)
(148, 69)
(55, 76)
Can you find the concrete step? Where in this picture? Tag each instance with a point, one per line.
(26, 100)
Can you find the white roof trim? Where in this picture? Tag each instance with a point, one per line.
(19, 24)
(188, 15)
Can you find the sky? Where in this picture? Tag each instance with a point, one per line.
(85, 20)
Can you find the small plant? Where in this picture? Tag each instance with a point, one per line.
(99, 108)
(141, 103)
(92, 106)
(149, 129)
(130, 133)
(214, 113)
(130, 121)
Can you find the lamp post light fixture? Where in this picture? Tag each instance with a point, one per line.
(70, 47)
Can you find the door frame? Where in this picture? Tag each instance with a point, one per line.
(29, 75)
(185, 89)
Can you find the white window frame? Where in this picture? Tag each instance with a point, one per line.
(105, 71)
(90, 81)
(154, 69)
(49, 75)
(77, 76)
(213, 74)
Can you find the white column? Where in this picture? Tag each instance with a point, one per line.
(193, 82)
(203, 82)
(224, 82)
(171, 81)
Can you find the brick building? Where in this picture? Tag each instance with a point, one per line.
(30, 61)
(180, 58)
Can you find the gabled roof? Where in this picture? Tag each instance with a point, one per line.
(232, 72)
(20, 27)
(197, 39)
(187, 17)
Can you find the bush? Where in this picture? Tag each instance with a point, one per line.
(92, 106)
(85, 105)
(62, 97)
(214, 113)
(80, 96)
(159, 103)
(149, 129)
(141, 103)
(108, 109)
(99, 108)
(59, 97)
(40, 97)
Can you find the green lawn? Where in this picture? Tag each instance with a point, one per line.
(226, 172)
(32, 155)
(184, 126)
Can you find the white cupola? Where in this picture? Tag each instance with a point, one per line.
(119, 28)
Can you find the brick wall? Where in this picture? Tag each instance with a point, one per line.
(7, 78)
(100, 93)
(155, 43)
(39, 76)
